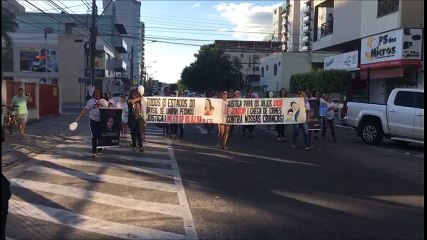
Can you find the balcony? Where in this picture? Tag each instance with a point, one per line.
(306, 19)
(117, 64)
(306, 9)
(326, 29)
(306, 39)
(306, 28)
(120, 45)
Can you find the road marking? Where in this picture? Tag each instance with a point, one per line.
(105, 178)
(410, 200)
(103, 198)
(87, 223)
(104, 164)
(201, 130)
(145, 151)
(189, 225)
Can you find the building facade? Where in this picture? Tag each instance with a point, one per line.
(290, 25)
(128, 13)
(387, 35)
(277, 24)
(249, 53)
(306, 25)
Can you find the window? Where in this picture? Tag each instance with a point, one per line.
(419, 101)
(266, 68)
(255, 69)
(386, 7)
(275, 70)
(256, 57)
(241, 55)
(405, 99)
(279, 63)
(262, 72)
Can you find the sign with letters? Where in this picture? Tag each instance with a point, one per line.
(241, 111)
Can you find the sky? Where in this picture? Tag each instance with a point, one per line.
(175, 30)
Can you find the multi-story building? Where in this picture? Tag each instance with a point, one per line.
(249, 53)
(48, 53)
(277, 24)
(306, 25)
(387, 34)
(128, 13)
(290, 25)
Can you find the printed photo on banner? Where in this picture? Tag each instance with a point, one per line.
(110, 123)
(183, 110)
(265, 111)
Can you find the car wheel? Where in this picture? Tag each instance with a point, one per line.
(371, 133)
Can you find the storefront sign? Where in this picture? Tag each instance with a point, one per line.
(233, 111)
(394, 48)
(341, 61)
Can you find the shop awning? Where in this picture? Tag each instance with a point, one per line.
(382, 73)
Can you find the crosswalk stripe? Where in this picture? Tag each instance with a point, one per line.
(87, 223)
(145, 151)
(106, 178)
(103, 198)
(105, 164)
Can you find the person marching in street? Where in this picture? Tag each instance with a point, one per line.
(107, 97)
(231, 95)
(93, 106)
(20, 101)
(302, 126)
(122, 104)
(136, 118)
(330, 118)
(175, 126)
(223, 129)
(249, 128)
(312, 112)
(281, 128)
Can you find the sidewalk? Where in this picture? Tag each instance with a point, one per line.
(40, 136)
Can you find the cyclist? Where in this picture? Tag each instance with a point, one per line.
(21, 101)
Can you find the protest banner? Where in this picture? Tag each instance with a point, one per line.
(110, 123)
(313, 115)
(256, 111)
(184, 110)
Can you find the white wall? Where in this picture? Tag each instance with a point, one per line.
(372, 25)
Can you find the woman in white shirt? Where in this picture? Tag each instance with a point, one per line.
(122, 104)
(93, 106)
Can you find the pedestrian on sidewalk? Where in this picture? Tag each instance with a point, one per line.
(302, 126)
(125, 113)
(330, 118)
(281, 128)
(136, 119)
(93, 106)
(20, 101)
(223, 129)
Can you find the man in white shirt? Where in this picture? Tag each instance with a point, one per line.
(330, 118)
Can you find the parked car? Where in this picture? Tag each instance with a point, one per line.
(116, 96)
(401, 119)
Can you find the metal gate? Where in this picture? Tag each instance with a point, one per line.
(49, 99)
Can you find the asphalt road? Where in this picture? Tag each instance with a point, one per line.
(258, 189)
(263, 189)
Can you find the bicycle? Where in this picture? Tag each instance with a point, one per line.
(9, 120)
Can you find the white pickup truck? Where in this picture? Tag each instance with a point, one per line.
(401, 119)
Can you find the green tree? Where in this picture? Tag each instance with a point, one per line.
(212, 70)
(181, 85)
(326, 81)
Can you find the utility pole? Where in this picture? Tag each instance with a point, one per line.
(131, 66)
(93, 31)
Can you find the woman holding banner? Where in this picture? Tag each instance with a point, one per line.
(93, 106)
(302, 126)
(136, 118)
(223, 129)
(281, 128)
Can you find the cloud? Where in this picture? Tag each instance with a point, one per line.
(196, 5)
(248, 17)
